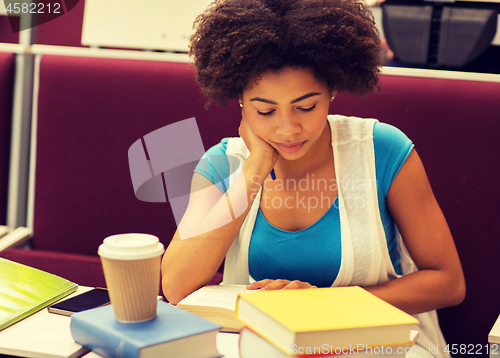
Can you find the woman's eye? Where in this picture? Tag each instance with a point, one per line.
(307, 109)
(265, 113)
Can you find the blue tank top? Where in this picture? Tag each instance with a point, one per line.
(314, 254)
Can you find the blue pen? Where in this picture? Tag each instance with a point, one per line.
(273, 174)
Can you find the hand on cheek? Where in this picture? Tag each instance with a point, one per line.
(254, 143)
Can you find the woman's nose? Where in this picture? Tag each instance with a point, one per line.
(288, 125)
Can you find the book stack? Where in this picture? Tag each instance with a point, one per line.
(322, 322)
(172, 333)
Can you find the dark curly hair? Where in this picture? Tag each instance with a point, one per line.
(235, 41)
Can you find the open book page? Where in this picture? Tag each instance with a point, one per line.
(216, 303)
(223, 296)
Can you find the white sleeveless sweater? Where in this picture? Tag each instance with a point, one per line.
(365, 256)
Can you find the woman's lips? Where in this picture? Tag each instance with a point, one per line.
(289, 147)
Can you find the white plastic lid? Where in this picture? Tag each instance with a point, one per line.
(131, 247)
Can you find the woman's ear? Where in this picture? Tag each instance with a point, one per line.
(333, 93)
(240, 99)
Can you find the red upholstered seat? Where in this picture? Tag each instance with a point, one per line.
(90, 111)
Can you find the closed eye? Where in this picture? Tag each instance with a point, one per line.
(308, 109)
(260, 113)
(265, 113)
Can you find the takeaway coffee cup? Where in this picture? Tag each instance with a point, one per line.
(131, 264)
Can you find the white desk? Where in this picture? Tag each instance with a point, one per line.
(48, 335)
(41, 335)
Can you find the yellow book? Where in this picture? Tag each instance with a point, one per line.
(334, 317)
(25, 290)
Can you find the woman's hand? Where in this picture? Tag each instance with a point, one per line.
(269, 284)
(254, 143)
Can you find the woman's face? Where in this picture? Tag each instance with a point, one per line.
(288, 110)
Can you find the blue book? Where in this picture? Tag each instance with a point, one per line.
(173, 333)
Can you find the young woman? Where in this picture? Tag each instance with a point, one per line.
(350, 204)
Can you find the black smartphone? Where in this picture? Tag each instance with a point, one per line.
(96, 297)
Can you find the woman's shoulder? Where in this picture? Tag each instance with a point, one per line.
(214, 165)
(391, 147)
(386, 135)
(219, 148)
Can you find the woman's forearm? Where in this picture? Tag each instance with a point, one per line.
(422, 291)
(203, 238)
